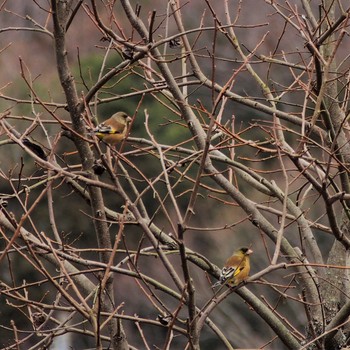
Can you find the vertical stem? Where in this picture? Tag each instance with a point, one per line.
(60, 16)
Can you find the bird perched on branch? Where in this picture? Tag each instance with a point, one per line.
(114, 129)
(236, 269)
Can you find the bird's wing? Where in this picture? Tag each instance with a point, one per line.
(229, 272)
(107, 129)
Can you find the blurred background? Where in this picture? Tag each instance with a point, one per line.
(218, 225)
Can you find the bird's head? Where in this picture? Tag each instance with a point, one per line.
(122, 117)
(246, 251)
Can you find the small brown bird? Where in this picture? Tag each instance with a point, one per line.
(114, 129)
(236, 269)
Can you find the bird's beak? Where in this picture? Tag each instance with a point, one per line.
(128, 119)
(249, 252)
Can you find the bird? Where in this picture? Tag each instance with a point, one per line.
(114, 129)
(236, 268)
